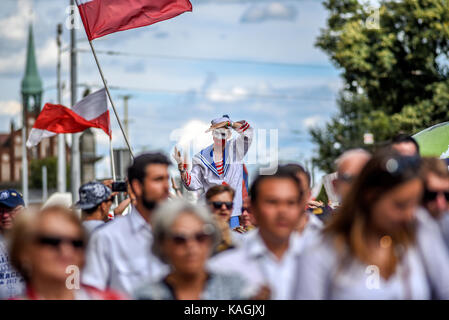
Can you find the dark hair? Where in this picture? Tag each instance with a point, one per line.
(281, 173)
(297, 168)
(137, 169)
(386, 170)
(405, 138)
(91, 210)
(218, 189)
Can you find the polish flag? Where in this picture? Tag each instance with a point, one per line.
(102, 17)
(91, 112)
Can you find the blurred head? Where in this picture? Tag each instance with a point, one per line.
(185, 236)
(223, 133)
(101, 210)
(382, 201)
(148, 177)
(303, 175)
(95, 200)
(405, 145)
(11, 205)
(8, 216)
(349, 165)
(220, 199)
(277, 203)
(246, 219)
(45, 243)
(436, 184)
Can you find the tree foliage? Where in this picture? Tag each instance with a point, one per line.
(395, 76)
(52, 166)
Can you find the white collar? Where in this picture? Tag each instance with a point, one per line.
(137, 221)
(256, 246)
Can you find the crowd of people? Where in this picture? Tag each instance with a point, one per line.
(387, 239)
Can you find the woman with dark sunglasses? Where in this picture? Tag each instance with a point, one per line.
(185, 236)
(47, 248)
(374, 248)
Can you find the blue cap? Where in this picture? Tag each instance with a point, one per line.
(11, 198)
(92, 194)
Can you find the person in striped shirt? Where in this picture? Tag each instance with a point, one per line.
(220, 163)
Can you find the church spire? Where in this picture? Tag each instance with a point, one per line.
(31, 82)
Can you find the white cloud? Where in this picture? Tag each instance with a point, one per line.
(312, 121)
(45, 58)
(271, 11)
(191, 138)
(15, 27)
(10, 107)
(236, 93)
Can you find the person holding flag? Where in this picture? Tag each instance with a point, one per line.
(220, 163)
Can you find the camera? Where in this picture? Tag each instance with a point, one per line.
(119, 186)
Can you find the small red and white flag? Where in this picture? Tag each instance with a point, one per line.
(90, 112)
(102, 17)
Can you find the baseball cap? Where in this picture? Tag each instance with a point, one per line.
(11, 198)
(224, 118)
(92, 194)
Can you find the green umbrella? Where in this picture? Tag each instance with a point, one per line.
(434, 141)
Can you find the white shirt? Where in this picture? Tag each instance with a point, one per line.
(119, 255)
(321, 276)
(92, 225)
(205, 175)
(258, 266)
(11, 282)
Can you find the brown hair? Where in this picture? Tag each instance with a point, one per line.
(385, 171)
(218, 189)
(24, 229)
(435, 166)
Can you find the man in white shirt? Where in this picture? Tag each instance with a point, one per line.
(267, 257)
(119, 254)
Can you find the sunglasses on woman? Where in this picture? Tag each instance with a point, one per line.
(218, 204)
(181, 239)
(56, 242)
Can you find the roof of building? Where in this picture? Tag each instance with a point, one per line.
(31, 82)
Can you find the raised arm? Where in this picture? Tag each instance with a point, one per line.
(244, 139)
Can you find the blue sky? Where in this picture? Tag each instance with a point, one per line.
(253, 60)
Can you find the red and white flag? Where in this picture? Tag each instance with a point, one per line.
(91, 112)
(102, 17)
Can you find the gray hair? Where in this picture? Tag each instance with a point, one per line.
(351, 153)
(166, 215)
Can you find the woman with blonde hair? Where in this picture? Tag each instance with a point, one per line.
(47, 248)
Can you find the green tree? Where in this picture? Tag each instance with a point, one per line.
(36, 172)
(52, 166)
(395, 76)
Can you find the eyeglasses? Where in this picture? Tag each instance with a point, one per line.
(432, 195)
(56, 242)
(7, 210)
(181, 239)
(219, 204)
(245, 209)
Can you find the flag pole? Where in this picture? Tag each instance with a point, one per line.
(114, 175)
(110, 99)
